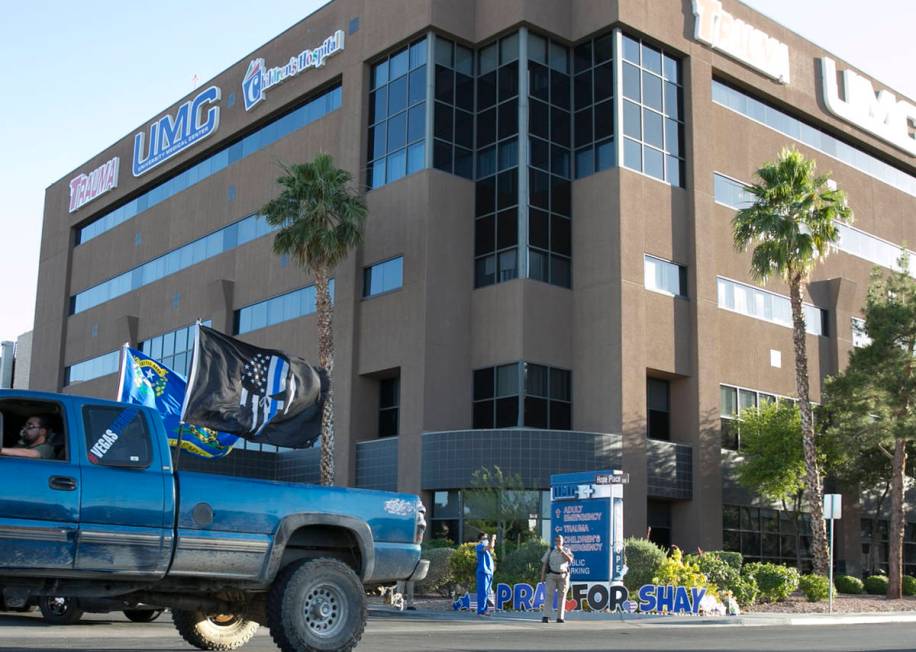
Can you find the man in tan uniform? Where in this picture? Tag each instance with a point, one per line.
(555, 567)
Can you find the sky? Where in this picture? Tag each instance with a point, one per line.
(80, 76)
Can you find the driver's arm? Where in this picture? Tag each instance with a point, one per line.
(19, 452)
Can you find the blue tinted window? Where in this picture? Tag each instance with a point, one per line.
(390, 126)
(93, 368)
(383, 277)
(276, 310)
(316, 108)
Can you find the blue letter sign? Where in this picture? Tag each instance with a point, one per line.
(193, 121)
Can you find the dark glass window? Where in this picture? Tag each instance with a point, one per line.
(544, 393)
(659, 408)
(397, 115)
(389, 404)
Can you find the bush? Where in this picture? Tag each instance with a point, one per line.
(815, 587)
(849, 585)
(733, 559)
(726, 577)
(523, 564)
(463, 565)
(876, 585)
(439, 578)
(432, 544)
(775, 582)
(643, 559)
(683, 572)
(909, 585)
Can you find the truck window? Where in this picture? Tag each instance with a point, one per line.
(117, 436)
(17, 413)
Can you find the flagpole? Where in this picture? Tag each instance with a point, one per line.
(191, 378)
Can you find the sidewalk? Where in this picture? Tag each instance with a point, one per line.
(651, 620)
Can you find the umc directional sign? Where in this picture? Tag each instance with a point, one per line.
(587, 509)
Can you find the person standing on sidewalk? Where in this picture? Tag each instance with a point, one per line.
(555, 567)
(484, 572)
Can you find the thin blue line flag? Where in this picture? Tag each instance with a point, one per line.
(145, 381)
(262, 395)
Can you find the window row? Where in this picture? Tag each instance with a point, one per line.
(93, 368)
(767, 306)
(522, 394)
(853, 241)
(276, 310)
(317, 107)
(785, 124)
(767, 535)
(226, 239)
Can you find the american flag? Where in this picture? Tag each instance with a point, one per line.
(264, 389)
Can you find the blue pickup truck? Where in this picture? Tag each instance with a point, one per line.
(103, 516)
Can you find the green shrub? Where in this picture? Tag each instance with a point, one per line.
(848, 584)
(432, 544)
(463, 565)
(523, 564)
(677, 571)
(876, 585)
(726, 577)
(909, 585)
(775, 582)
(644, 559)
(815, 587)
(733, 559)
(439, 577)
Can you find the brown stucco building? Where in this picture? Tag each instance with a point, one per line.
(548, 281)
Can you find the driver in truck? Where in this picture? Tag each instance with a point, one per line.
(34, 440)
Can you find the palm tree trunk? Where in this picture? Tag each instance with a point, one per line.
(326, 362)
(813, 473)
(895, 536)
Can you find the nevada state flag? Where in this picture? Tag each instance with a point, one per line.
(262, 395)
(145, 381)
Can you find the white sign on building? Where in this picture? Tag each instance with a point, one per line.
(881, 113)
(721, 31)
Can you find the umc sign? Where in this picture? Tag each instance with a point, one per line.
(171, 134)
(881, 114)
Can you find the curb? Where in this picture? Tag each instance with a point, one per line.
(650, 620)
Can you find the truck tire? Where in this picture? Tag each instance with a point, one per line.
(60, 611)
(317, 605)
(142, 615)
(218, 632)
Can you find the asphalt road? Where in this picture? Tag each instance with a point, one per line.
(114, 633)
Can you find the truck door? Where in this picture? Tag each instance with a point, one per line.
(126, 513)
(39, 497)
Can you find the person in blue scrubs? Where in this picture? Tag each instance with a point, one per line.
(484, 572)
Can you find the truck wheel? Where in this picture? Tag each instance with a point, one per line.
(142, 615)
(60, 611)
(216, 632)
(317, 605)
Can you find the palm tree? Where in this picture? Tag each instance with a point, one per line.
(320, 219)
(791, 225)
